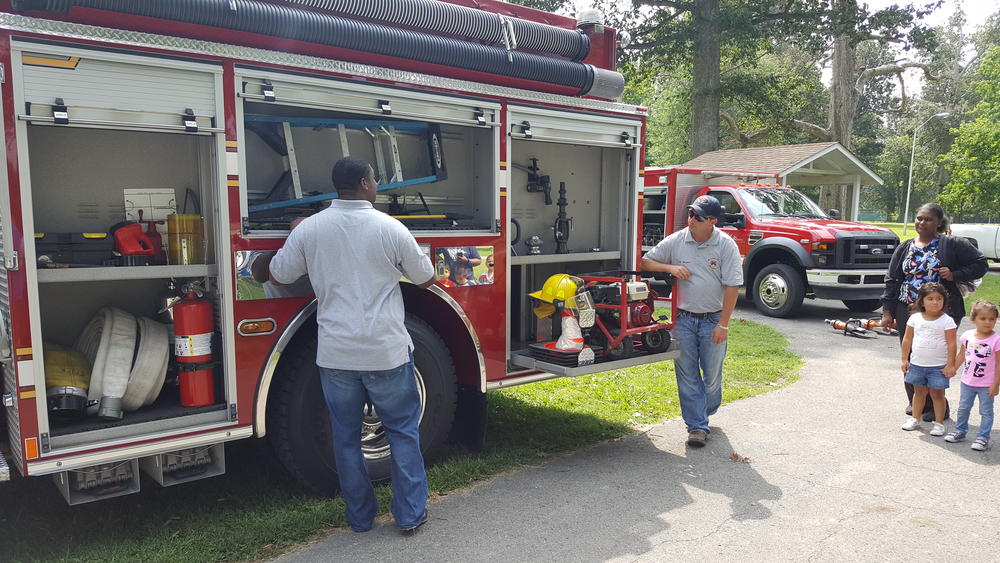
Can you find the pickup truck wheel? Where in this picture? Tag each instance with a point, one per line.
(778, 290)
(862, 305)
(298, 424)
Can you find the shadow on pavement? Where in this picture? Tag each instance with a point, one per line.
(617, 500)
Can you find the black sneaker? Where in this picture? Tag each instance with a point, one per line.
(409, 531)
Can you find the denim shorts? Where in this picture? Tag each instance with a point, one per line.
(931, 377)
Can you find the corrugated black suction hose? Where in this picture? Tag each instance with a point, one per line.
(257, 16)
(461, 21)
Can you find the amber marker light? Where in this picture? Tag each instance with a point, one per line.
(256, 327)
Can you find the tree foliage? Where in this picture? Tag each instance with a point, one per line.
(974, 158)
(544, 5)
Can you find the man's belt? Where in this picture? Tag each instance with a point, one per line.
(696, 315)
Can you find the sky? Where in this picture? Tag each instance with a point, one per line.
(976, 11)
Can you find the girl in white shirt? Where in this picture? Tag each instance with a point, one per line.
(930, 336)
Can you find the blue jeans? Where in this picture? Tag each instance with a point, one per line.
(397, 402)
(699, 369)
(927, 376)
(965, 401)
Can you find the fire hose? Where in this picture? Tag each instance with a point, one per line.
(109, 342)
(150, 369)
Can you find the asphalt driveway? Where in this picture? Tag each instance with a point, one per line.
(828, 475)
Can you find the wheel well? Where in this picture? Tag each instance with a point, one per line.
(768, 257)
(426, 305)
(447, 322)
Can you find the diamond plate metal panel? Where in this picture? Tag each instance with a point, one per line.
(4, 469)
(13, 423)
(139, 39)
(9, 383)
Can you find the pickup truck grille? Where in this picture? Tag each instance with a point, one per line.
(866, 252)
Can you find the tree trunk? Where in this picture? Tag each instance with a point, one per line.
(843, 96)
(843, 105)
(707, 85)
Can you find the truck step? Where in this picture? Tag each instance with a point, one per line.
(182, 466)
(98, 482)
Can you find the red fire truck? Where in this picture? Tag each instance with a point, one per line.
(791, 248)
(155, 149)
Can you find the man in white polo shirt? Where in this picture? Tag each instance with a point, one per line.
(355, 256)
(709, 270)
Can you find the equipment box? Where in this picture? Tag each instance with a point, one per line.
(73, 249)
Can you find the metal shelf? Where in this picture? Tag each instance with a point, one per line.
(113, 273)
(569, 257)
(654, 211)
(523, 358)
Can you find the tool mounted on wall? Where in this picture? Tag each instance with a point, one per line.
(564, 224)
(537, 182)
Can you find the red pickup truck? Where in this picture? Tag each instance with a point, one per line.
(791, 248)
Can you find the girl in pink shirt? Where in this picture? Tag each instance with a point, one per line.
(980, 351)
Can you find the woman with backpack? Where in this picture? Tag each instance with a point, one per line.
(931, 256)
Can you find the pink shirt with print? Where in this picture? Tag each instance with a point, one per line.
(979, 369)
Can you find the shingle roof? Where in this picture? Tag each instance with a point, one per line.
(758, 159)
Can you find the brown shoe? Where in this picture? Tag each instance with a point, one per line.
(697, 438)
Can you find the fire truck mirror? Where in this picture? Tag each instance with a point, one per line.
(464, 266)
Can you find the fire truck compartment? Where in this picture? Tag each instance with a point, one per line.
(435, 160)
(82, 182)
(79, 177)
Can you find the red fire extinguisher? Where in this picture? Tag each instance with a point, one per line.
(193, 350)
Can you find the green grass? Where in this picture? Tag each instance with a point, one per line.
(989, 290)
(254, 512)
(896, 228)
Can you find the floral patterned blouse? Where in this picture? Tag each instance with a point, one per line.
(920, 266)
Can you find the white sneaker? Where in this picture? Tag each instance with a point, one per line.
(981, 444)
(911, 424)
(937, 429)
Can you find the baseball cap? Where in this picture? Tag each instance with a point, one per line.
(706, 206)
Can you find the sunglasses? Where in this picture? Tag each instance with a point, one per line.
(490, 264)
(695, 216)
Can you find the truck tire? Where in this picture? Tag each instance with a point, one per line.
(298, 424)
(778, 290)
(862, 305)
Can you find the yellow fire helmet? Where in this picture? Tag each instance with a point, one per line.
(560, 287)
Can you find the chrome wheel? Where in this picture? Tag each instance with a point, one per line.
(374, 441)
(773, 291)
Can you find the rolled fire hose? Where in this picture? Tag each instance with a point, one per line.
(150, 369)
(67, 378)
(109, 342)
